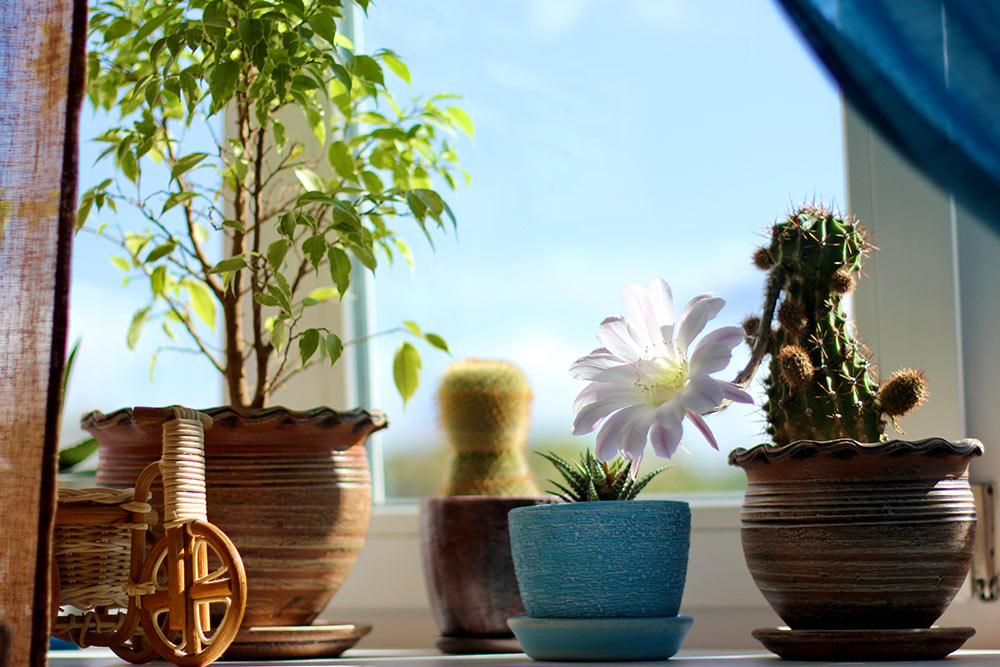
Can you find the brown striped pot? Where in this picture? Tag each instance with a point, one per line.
(291, 489)
(845, 535)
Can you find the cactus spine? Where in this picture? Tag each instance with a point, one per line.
(485, 411)
(821, 384)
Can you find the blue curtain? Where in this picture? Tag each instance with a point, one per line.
(926, 75)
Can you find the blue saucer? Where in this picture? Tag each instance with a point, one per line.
(604, 639)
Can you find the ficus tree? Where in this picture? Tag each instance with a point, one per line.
(201, 91)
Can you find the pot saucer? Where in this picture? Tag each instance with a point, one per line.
(476, 645)
(589, 639)
(851, 645)
(289, 642)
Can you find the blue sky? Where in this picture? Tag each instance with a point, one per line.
(614, 142)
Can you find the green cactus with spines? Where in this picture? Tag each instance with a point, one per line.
(821, 383)
(485, 412)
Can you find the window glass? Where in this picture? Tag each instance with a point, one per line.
(614, 142)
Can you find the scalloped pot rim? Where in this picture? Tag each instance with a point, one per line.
(231, 416)
(846, 448)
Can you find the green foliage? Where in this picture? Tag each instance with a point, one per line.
(821, 384)
(485, 411)
(72, 456)
(591, 479)
(286, 207)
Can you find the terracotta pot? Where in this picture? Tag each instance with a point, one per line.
(291, 489)
(844, 535)
(465, 547)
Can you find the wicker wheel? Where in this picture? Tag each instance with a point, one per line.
(136, 650)
(196, 625)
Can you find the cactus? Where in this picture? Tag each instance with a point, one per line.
(821, 384)
(485, 411)
(591, 479)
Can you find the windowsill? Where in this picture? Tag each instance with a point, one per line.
(429, 658)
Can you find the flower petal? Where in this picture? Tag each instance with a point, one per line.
(735, 393)
(590, 415)
(703, 427)
(661, 300)
(702, 394)
(607, 438)
(638, 314)
(614, 335)
(710, 358)
(632, 437)
(665, 440)
(585, 368)
(696, 315)
(731, 336)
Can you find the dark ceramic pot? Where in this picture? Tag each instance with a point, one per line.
(845, 535)
(292, 490)
(601, 559)
(465, 546)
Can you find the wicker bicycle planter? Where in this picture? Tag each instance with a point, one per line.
(291, 489)
(845, 535)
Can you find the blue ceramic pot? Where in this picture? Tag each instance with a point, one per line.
(601, 559)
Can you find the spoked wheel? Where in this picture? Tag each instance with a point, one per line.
(136, 650)
(199, 594)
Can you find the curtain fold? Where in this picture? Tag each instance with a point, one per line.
(926, 75)
(42, 70)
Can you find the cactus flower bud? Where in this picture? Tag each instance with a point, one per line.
(843, 281)
(792, 317)
(751, 326)
(762, 259)
(796, 368)
(901, 393)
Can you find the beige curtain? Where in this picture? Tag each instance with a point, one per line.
(41, 83)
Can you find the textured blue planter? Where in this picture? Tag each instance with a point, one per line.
(602, 559)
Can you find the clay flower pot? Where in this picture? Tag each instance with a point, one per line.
(844, 535)
(465, 548)
(601, 580)
(292, 490)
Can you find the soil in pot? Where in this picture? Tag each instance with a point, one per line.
(291, 489)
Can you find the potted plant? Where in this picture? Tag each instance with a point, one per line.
(209, 94)
(859, 542)
(602, 579)
(485, 412)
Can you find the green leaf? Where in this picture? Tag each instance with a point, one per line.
(160, 251)
(276, 253)
(369, 69)
(340, 268)
(68, 370)
(202, 301)
(372, 182)
(315, 119)
(222, 83)
(342, 160)
(413, 328)
(73, 456)
(129, 166)
(280, 136)
(158, 279)
(310, 180)
(278, 331)
(406, 370)
(177, 198)
(324, 26)
(281, 299)
(397, 67)
(308, 344)
(315, 248)
(186, 163)
(462, 119)
(334, 348)
(321, 294)
(229, 264)
(135, 328)
(121, 263)
(81, 214)
(437, 342)
(265, 299)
